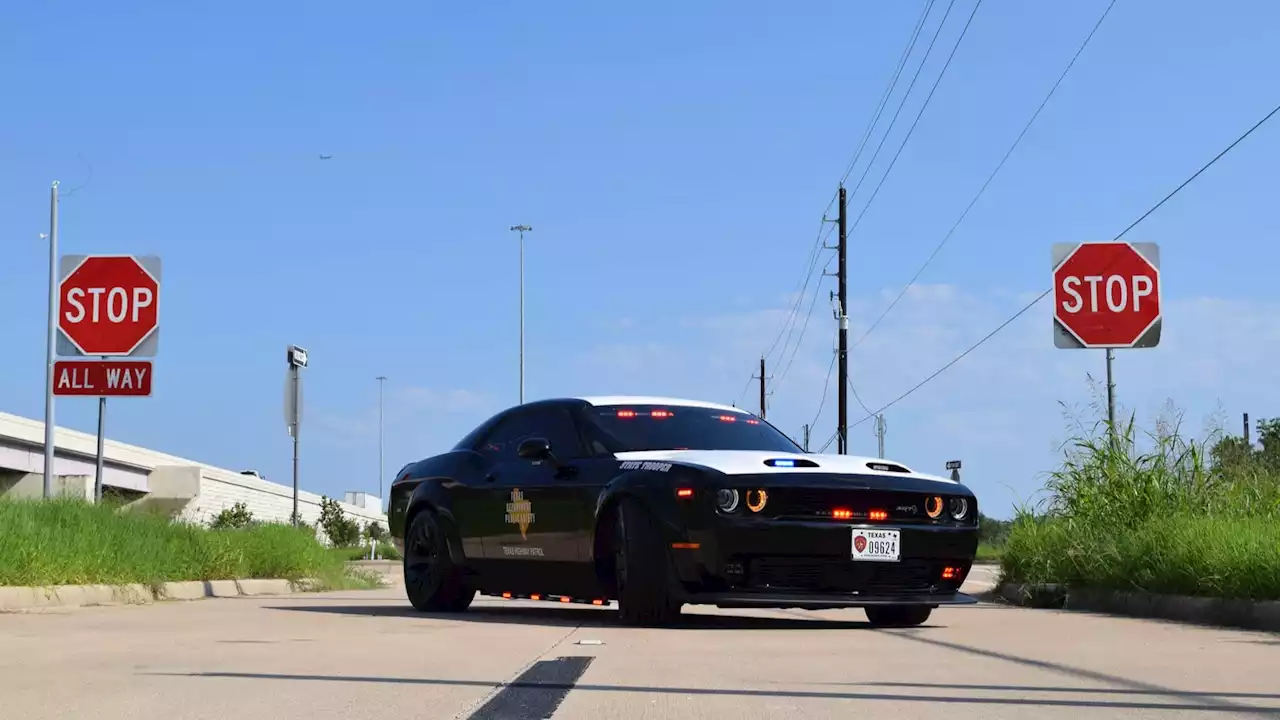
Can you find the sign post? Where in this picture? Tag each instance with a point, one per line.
(1107, 295)
(297, 358)
(108, 307)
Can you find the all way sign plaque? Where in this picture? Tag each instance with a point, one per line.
(106, 378)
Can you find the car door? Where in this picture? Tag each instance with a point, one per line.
(543, 518)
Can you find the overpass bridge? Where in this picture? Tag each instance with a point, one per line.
(183, 488)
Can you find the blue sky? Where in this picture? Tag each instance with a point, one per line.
(674, 160)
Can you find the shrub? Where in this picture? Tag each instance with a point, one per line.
(236, 516)
(341, 530)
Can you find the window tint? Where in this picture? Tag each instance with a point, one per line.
(551, 423)
(624, 428)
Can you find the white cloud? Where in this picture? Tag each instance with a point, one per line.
(1000, 409)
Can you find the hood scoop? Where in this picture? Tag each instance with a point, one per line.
(790, 463)
(887, 467)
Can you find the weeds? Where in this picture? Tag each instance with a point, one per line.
(67, 542)
(1157, 512)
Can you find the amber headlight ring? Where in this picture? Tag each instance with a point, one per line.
(757, 499)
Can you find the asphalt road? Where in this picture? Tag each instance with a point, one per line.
(368, 655)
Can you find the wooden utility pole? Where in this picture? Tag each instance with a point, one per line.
(806, 438)
(842, 431)
(761, 377)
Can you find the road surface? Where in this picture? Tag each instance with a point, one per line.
(368, 655)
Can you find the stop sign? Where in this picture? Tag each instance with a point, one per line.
(108, 304)
(1107, 294)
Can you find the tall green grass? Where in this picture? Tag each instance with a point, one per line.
(1151, 513)
(70, 542)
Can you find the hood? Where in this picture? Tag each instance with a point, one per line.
(752, 462)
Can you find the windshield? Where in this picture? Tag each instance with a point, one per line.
(625, 428)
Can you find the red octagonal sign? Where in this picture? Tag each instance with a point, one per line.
(1107, 295)
(108, 305)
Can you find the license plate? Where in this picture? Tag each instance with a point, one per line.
(877, 545)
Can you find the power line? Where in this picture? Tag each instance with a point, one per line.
(902, 103)
(820, 239)
(990, 177)
(919, 114)
(888, 91)
(1046, 293)
(825, 384)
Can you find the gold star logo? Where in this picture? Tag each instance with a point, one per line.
(520, 512)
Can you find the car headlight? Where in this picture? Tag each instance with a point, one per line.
(959, 508)
(727, 500)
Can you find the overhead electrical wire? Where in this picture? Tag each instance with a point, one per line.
(964, 31)
(875, 119)
(820, 239)
(990, 177)
(1046, 293)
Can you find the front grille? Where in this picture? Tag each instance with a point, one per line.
(843, 576)
(817, 503)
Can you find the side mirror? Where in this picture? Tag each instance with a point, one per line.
(534, 449)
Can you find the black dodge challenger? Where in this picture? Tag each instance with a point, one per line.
(660, 502)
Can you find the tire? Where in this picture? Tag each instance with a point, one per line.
(431, 580)
(642, 570)
(898, 615)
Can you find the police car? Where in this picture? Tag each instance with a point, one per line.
(655, 503)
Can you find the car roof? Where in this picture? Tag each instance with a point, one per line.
(603, 400)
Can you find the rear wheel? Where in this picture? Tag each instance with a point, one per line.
(898, 615)
(642, 569)
(431, 580)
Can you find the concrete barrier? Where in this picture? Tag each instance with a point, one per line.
(1220, 612)
(26, 598)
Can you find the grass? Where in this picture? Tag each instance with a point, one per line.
(988, 553)
(1154, 515)
(386, 551)
(71, 542)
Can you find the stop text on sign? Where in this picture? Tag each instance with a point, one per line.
(1106, 295)
(109, 306)
(1117, 293)
(106, 378)
(121, 303)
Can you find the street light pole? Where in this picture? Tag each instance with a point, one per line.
(522, 229)
(381, 379)
(50, 347)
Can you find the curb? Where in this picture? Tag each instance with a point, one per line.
(23, 598)
(1222, 612)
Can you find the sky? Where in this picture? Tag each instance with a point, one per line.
(674, 161)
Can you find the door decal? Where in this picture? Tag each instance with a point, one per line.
(520, 512)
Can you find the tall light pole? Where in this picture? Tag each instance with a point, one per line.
(51, 342)
(522, 229)
(381, 380)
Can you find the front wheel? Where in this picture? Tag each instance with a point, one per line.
(431, 581)
(898, 615)
(642, 569)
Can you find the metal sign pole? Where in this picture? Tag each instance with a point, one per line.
(97, 477)
(50, 350)
(294, 432)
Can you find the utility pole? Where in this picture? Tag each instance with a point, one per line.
(50, 349)
(522, 229)
(842, 431)
(761, 377)
(806, 437)
(381, 380)
(881, 427)
(1246, 429)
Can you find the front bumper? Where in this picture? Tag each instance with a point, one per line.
(767, 563)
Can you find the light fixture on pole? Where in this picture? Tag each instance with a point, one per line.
(522, 229)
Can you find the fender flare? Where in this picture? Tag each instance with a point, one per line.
(429, 496)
